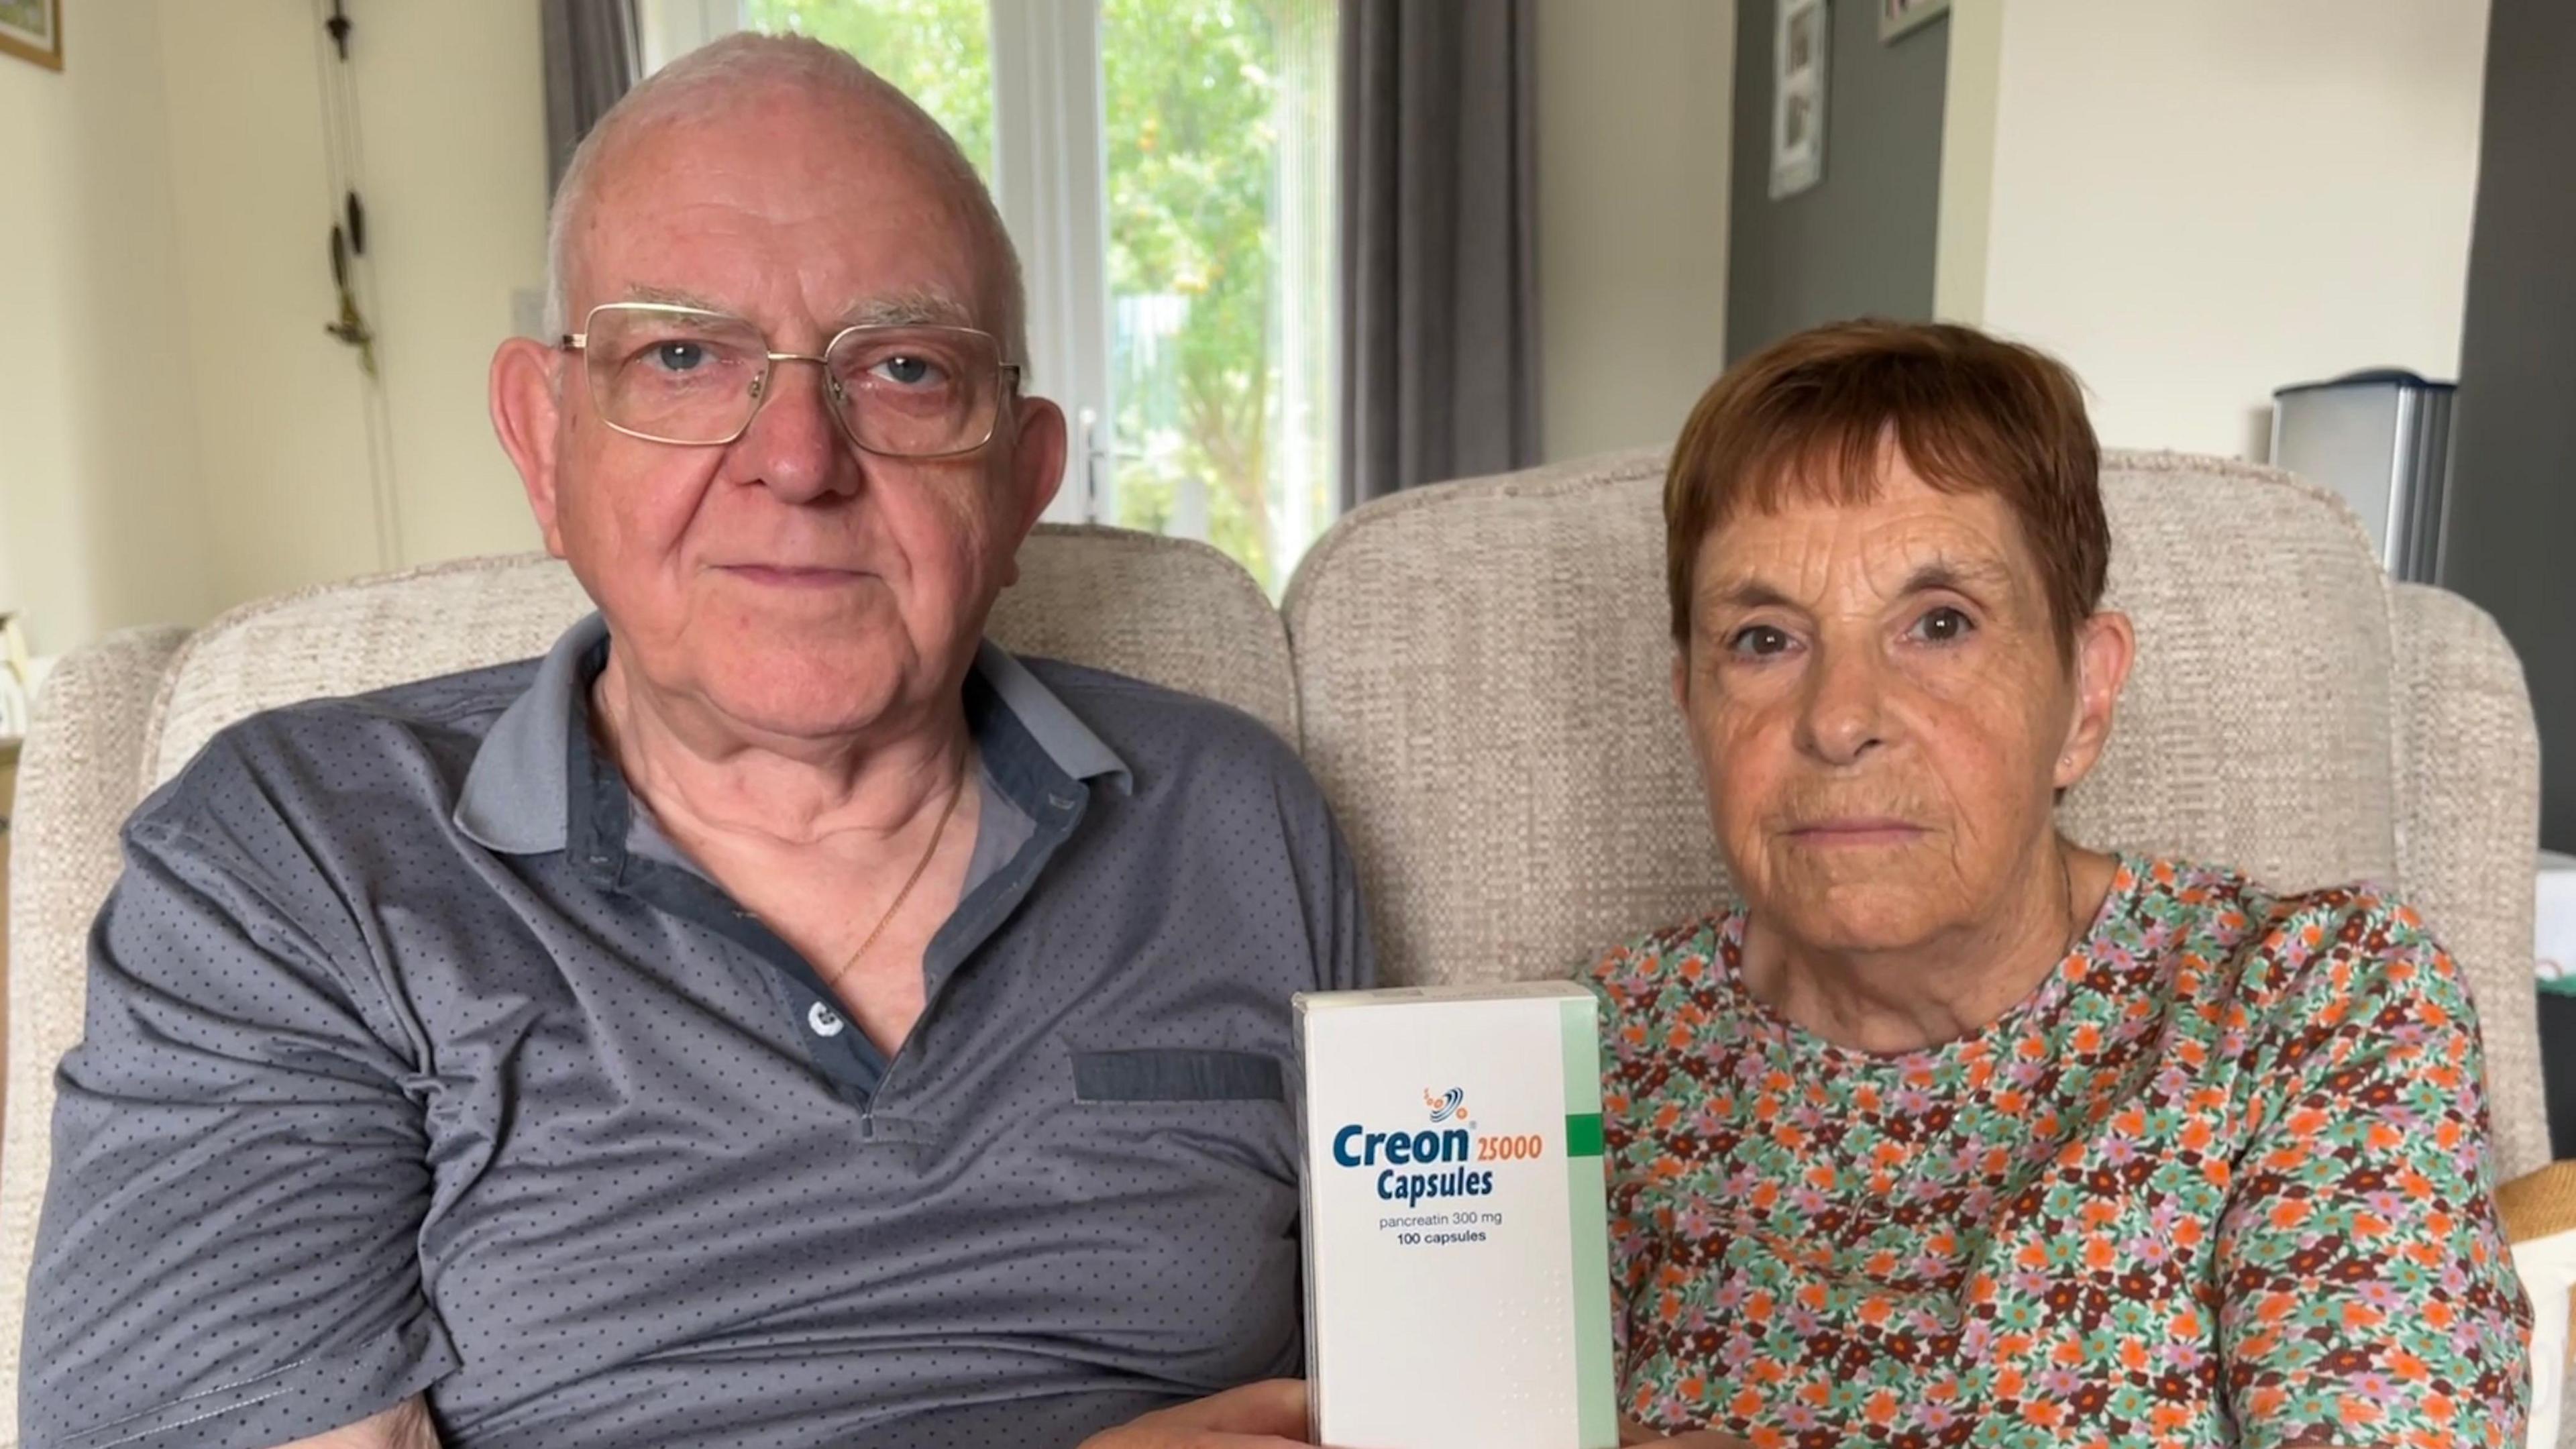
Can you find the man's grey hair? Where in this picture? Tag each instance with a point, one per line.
(704, 79)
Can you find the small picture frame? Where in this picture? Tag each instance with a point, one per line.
(1798, 96)
(1897, 17)
(33, 30)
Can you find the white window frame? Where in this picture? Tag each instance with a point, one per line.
(1052, 185)
(673, 28)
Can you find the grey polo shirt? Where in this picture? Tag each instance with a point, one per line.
(417, 1059)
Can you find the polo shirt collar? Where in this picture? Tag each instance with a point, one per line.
(1048, 719)
(517, 794)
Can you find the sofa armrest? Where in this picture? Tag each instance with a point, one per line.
(78, 777)
(2468, 831)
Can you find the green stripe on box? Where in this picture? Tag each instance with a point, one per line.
(1588, 1219)
(1587, 1203)
(1583, 1135)
(1578, 1024)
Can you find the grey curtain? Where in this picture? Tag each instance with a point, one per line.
(1440, 370)
(594, 51)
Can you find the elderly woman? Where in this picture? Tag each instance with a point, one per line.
(1953, 1131)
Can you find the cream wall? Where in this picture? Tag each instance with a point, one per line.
(451, 111)
(100, 504)
(2198, 201)
(456, 160)
(176, 190)
(1633, 123)
(282, 446)
(177, 434)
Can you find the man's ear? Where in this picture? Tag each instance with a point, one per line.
(527, 411)
(1681, 678)
(2105, 646)
(1035, 470)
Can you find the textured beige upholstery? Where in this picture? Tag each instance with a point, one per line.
(1484, 675)
(124, 715)
(1480, 679)
(353, 637)
(75, 785)
(1160, 609)
(2468, 814)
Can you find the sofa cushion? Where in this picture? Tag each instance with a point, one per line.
(1484, 685)
(2468, 757)
(2257, 729)
(74, 790)
(1519, 798)
(1164, 610)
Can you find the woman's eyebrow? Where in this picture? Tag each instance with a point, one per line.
(1940, 575)
(1975, 578)
(1747, 593)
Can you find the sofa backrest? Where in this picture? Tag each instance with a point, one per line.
(1486, 669)
(1484, 678)
(124, 715)
(1480, 680)
(1165, 610)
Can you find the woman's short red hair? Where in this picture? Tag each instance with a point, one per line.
(1813, 415)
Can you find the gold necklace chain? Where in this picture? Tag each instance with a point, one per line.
(911, 880)
(2076, 925)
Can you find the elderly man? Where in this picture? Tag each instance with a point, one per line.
(776, 1017)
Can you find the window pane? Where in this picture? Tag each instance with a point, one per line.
(940, 52)
(1220, 158)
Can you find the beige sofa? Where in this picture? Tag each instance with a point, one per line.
(1478, 675)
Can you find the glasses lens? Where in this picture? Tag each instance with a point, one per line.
(681, 377)
(918, 392)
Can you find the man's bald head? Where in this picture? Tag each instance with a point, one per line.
(743, 68)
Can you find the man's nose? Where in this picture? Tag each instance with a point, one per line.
(1844, 714)
(795, 446)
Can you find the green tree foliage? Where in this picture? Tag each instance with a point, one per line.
(1190, 99)
(1187, 97)
(939, 52)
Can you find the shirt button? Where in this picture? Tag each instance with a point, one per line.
(824, 1020)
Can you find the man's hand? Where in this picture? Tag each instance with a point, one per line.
(404, 1426)
(1267, 1415)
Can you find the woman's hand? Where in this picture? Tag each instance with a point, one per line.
(1267, 1415)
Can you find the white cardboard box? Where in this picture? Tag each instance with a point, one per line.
(2554, 916)
(1457, 1227)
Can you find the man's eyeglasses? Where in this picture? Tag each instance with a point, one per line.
(696, 378)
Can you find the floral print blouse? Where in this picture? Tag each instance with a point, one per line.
(2222, 1179)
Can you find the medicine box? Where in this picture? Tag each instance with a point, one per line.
(1457, 1234)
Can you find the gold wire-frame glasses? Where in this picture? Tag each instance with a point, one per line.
(695, 378)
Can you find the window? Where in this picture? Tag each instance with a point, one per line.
(939, 51)
(1166, 167)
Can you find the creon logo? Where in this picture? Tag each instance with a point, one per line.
(1445, 1105)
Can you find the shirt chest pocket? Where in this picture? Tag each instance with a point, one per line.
(1177, 1075)
(1197, 1120)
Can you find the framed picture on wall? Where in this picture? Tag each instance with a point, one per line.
(33, 30)
(1798, 97)
(1895, 17)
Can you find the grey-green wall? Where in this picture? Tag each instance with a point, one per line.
(1860, 242)
(2511, 542)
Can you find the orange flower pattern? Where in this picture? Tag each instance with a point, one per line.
(2222, 1179)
